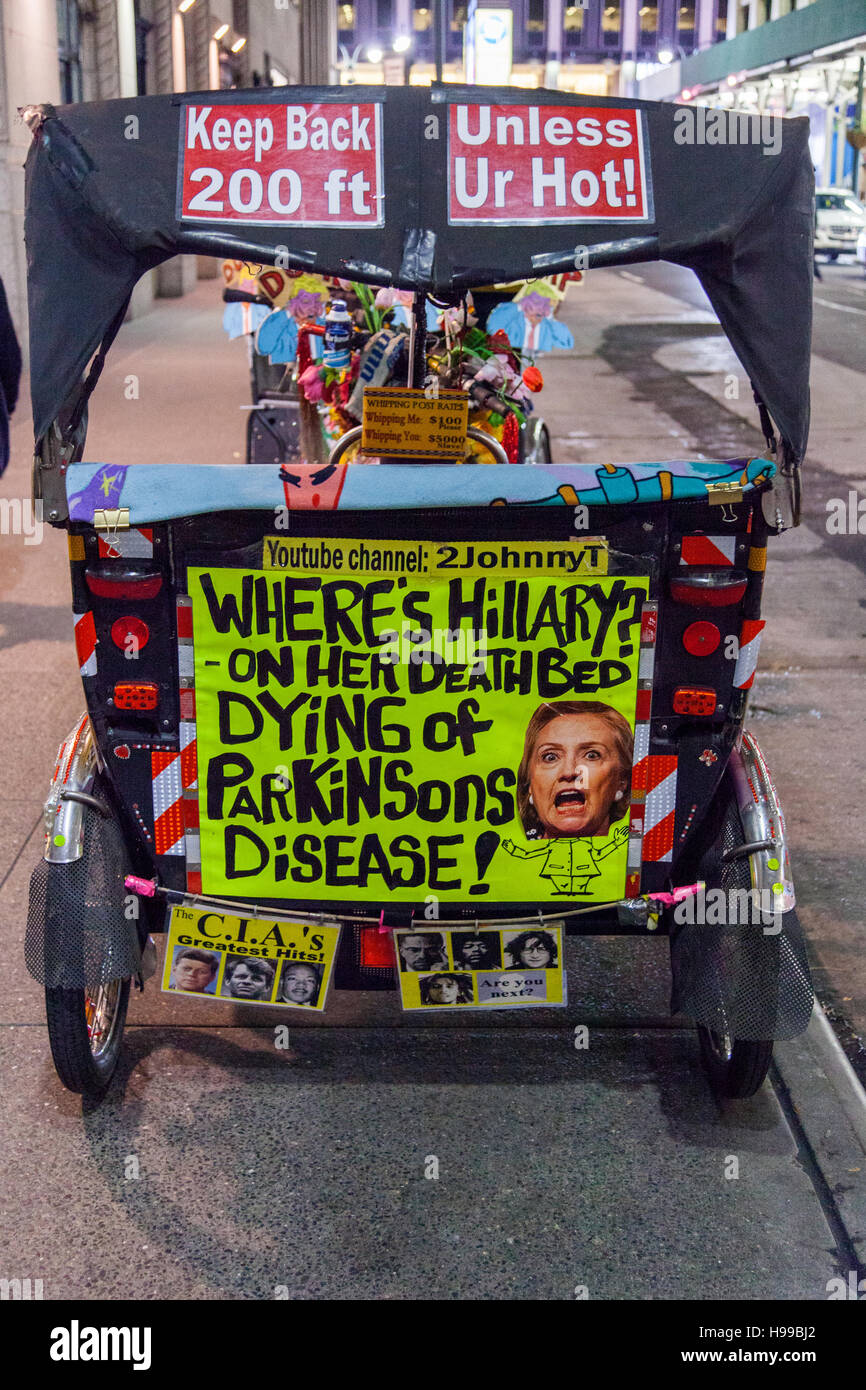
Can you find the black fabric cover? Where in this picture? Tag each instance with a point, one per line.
(101, 210)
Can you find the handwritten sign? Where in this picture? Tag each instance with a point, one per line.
(405, 423)
(377, 721)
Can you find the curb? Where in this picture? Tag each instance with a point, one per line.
(829, 1105)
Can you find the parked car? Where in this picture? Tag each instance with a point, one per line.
(839, 220)
(861, 249)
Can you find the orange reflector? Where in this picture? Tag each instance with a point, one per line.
(694, 700)
(139, 695)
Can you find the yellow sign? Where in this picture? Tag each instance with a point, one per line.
(563, 558)
(504, 968)
(379, 721)
(248, 960)
(404, 423)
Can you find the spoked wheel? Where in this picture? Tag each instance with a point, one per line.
(85, 1030)
(736, 1068)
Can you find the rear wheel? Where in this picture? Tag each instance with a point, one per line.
(735, 1068)
(85, 1030)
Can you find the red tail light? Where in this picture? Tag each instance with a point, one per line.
(138, 695)
(695, 700)
(123, 583)
(130, 634)
(716, 588)
(701, 639)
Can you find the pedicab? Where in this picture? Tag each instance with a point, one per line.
(469, 710)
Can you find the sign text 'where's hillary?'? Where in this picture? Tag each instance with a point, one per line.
(364, 709)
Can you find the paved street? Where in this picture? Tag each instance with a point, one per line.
(558, 1169)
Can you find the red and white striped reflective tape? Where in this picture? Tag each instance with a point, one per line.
(85, 643)
(167, 788)
(747, 660)
(654, 776)
(173, 773)
(136, 544)
(708, 550)
(643, 706)
(186, 679)
(657, 778)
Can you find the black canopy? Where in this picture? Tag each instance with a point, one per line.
(109, 196)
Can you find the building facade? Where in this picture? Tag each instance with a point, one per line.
(63, 51)
(787, 58)
(555, 44)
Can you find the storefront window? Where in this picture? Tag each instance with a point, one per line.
(459, 15)
(610, 22)
(384, 13)
(686, 26)
(345, 17)
(69, 50)
(573, 20)
(649, 23)
(722, 19)
(535, 18)
(422, 19)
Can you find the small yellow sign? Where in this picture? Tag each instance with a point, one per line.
(405, 423)
(353, 557)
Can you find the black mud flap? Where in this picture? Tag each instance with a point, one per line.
(82, 925)
(738, 971)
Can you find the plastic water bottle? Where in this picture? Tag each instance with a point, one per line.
(338, 336)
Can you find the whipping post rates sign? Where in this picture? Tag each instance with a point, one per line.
(317, 165)
(391, 720)
(529, 164)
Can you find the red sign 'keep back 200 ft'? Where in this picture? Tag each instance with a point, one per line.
(303, 165)
(525, 164)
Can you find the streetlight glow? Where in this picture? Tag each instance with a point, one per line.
(185, 5)
(401, 43)
(221, 32)
(238, 45)
(374, 55)
(665, 55)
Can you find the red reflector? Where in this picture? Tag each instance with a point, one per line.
(122, 585)
(693, 700)
(701, 639)
(720, 596)
(136, 695)
(130, 634)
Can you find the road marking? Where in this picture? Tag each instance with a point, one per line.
(844, 308)
(627, 275)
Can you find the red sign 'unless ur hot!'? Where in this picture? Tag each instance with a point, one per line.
(537, 164)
